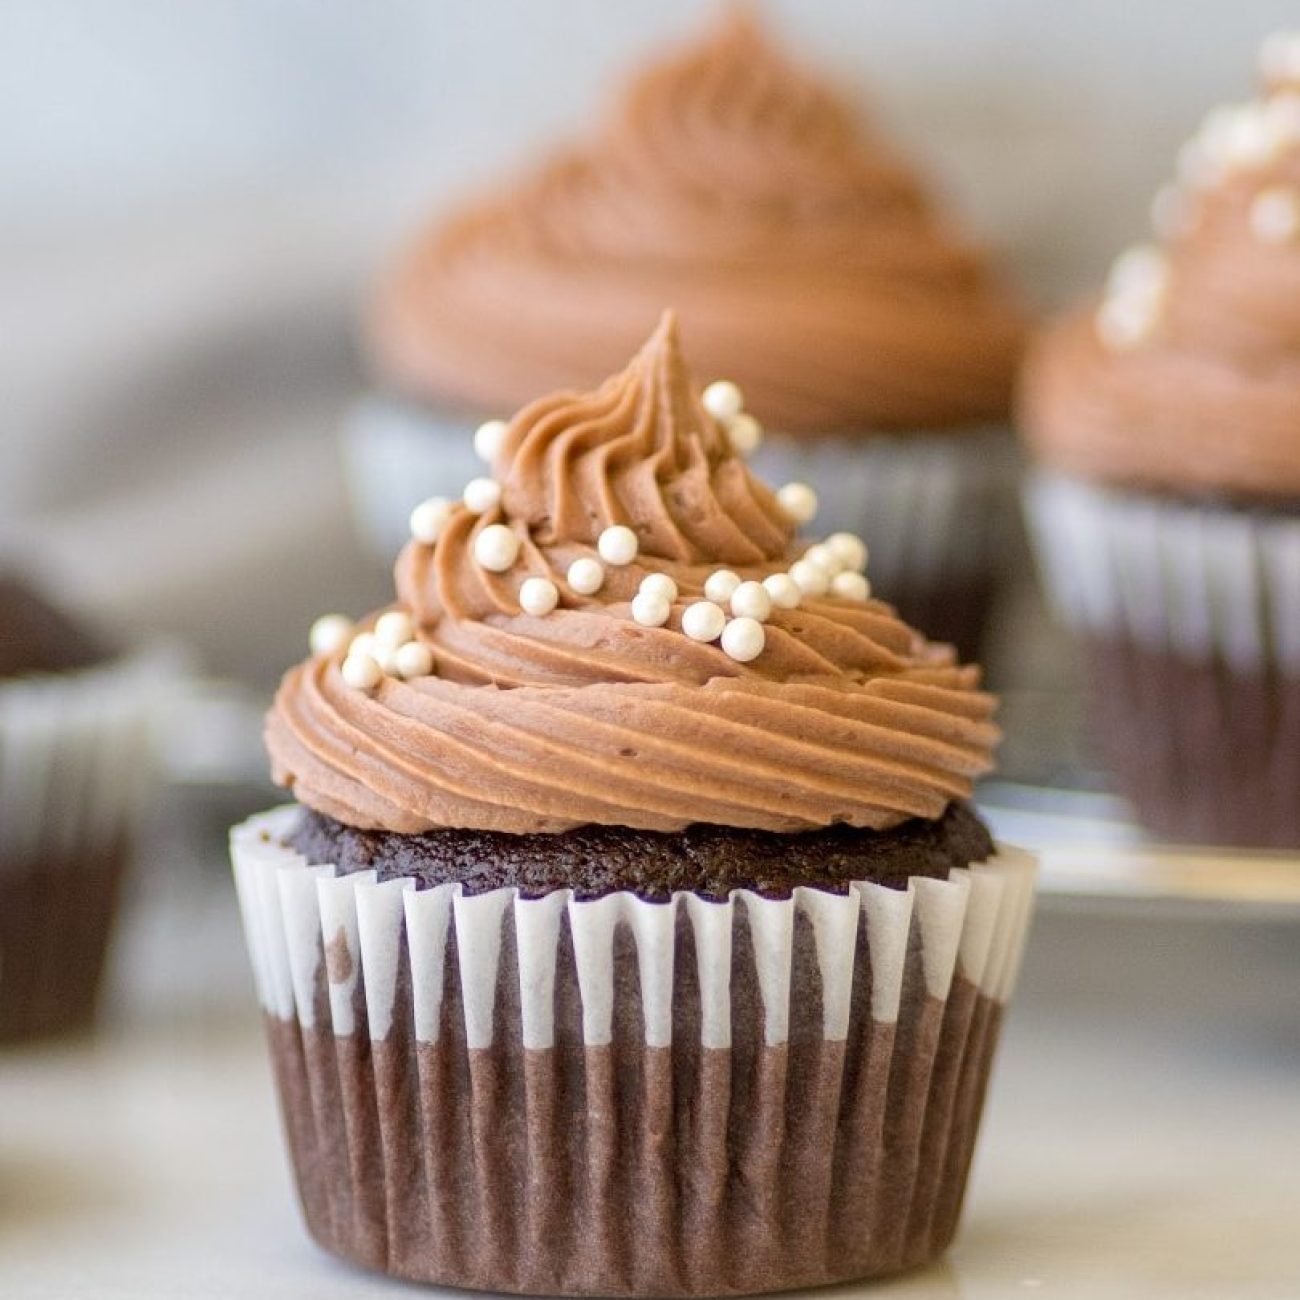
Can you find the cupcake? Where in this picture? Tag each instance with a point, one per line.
(74, 730)
(809, 266)
(1165, 418)
(632, 933)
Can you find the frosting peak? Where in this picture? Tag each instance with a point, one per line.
(801, 253)
(794, 148)
(640, 450)
(604, 649)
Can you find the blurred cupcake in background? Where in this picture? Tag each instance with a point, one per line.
(807, 263)
(1166, 420)
(75, 723)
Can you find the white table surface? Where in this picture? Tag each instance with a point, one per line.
(1142, 1140)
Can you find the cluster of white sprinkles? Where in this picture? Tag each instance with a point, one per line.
(390, 649)
(1232, 139)
(726, 403)
(731, 613)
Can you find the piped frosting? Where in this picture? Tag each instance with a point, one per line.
(583, 713)
(802, 255)
(1186, 375)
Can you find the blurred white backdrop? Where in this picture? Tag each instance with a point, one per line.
(192, 198)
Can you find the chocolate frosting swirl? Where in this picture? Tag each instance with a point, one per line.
(801, 254)
(1209, 401)
(584, 716)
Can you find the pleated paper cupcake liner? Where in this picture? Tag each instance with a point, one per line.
(396, 455)
(618, 1097)
(75, 768)
(938, 512)
(1189, 616)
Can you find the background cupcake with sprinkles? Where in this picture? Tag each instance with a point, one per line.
(1166, 421)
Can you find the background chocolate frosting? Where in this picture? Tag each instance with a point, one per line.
(1210, 401)
(583, 716)
(801, 254)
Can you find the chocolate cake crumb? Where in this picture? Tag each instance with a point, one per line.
(706, 860)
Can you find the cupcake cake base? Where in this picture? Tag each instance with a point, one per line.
(76, 761)
(56, 921)
(1188, 615)
(1205, 753)
(616, 1096)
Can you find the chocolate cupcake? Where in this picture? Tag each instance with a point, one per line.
(1166, 420)
(808, 264)
(632, 934)
(74, 725)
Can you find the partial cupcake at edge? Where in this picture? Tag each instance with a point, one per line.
(806, 260)
(632, 932)
(75, 764)
(1165, 418)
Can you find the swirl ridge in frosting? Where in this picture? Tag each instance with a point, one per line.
(1185, 376)
(803, 256)
(584, 716)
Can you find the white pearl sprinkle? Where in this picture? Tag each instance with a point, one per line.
(824, 558)
(538, 596)
(1141, 268)
(849, 549)
(1279, 57)
(364, 643)
(783, 590)
(720, 584)
(394, 628)
(481, 495)
(751, 600)
(414, 659)
(810, 580)
(1124, 322)
(850, 586)
(1275, 215)
(617, 545)
(496, 548)
(586, 576)
(799, 501)
(658, 584)
(745, 434)
(743, 639)
(361, 671)
(488, 438)
(650, 610)
(329, 633)
(703, 621)
(723, 400)
(429, 518)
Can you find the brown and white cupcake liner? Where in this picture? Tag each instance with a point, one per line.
(75, 763)
(937, 510)
(618, 1097)
(396, 455)
(1207, 583)
(1190, 619)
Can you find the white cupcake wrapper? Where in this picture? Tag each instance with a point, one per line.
(396, 456)
(75, 759)
(302, 919)
(932, 507)
(1207, 583)
(617, 1097)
